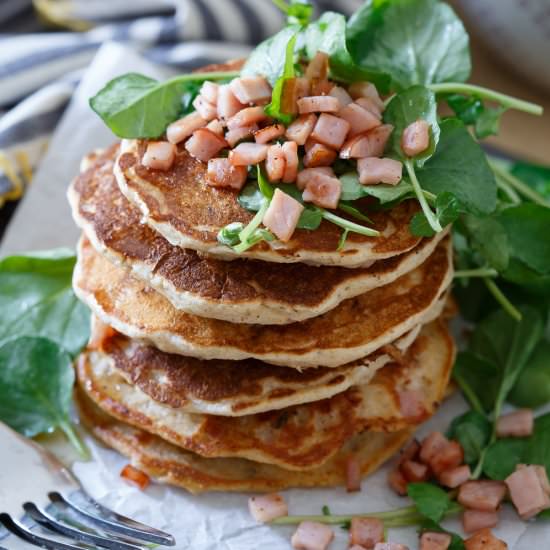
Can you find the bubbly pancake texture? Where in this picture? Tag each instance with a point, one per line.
(240, 291)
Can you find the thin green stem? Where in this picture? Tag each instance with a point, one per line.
(430, 216)
(478, 470)
(218, 75)
(508, 190)
(479, 272)
(470, 395)
(282, 5)
(521, 187)
(350, 226)
(486, 93)
(501, 299)
(75, 440)
(255, 222)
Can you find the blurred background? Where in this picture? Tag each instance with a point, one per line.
(46, 45)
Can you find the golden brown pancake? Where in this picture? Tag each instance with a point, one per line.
(351, 331)
(297, 438)
(173, 465)
(241, 291)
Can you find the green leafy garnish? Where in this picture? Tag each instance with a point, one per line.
(473, 112)
(431, 501)
(447, 210)
(297, 12)
(472, 430)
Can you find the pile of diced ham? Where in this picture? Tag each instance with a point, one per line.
(231, 131)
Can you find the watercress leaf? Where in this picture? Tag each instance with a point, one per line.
(447, 210)
(414, 41)
(265, 187)
(456, 541)
(229, 235)
(460, 167)
(36, 299)
(538, 445)
(328, 34)
(517, 272)
(431, 501)
(488, 237)
(466, 108)
(353, 211)
(532, 388)
(488, 122)
(536, 176)
(472, 430)
(312, 215)
(526, 226)
(297, 11)
(353, 190)
(251, 197)
(420, 226)
(268, 58)
(406, 107)
(502, 457)
(36, 384)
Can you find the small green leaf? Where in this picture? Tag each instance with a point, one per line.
(229, 235)
(536, 176)
(297, 12)
(353, 190)
(502, 457)
(488, 237)
(466, 108)
(456, 541)
(431, 501)
(488, 122)
(472, 430)
(447, 210)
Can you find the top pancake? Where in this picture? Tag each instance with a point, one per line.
(189, 213)
(241, 291)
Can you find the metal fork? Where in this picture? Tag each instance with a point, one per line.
(42, 504)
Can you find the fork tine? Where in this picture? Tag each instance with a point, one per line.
(114, 522)
(19, 530)
(46, 520)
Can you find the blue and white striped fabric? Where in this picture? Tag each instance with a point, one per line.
(45, 45)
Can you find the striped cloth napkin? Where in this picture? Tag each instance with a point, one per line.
(45, 45)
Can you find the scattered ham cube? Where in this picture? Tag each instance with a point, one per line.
(371, 106)
(319, 155)
(366, 532)
(484, 495)
(293, 90)
(318, 104)
(301, 128)
(311, 535)
(322, 190)
(238, 134)
(321, 87)
(247, 154)
(282, 215)
(330, 130)
(369, 144)
(184, 127)
(135, 477)
(378, 138)
(204, 144)
(411, 402)
(474, 520)
(390, 546)
(410, 452)
(317, 68)
(455, 477)
(519, 423)
(290, 151)
(266, 508)
(415, 138)
(360, 119)
(221, 173)
(305, 175)
(353, 474)
(397, 482)
(275, 162)
(215, 126)
(431, 445)
(529, 490)
(450, 456)
(159, 155)
(341, 94)
(373, 170)
(228, 105)
(246, 117)
(206, 109)
(435, 541)
(366, 89)
(269, 133)
(209, 90)
(415, 471)
(251, 89)
(484, 540)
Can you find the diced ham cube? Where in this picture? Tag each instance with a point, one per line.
(319, 155)
(238, 134)
(356, 547)
(356, 147)
(450, 456)
(290, 150)
(411, 402)
(204, 144)
(221, 173)
(209, 90)
(318, 67)
(397, 482)
(431, 445)
(455, 477)
(415, 471)
(353, 474)
(519, 423)
(529, 490)
(275, 163)
(341, 94)
(484, 540)
(474, 520)
(282, 215)
(321, 87)
(378, 138)
(293, 90)
(184, 127)
(215, 126)
(435, 541)
(265, 508)
(228, 105)
(269, 133)
(301, 128)
(251, 89)
(415, 138)
(159, 155)
(246, 117)
(305, 175)
(207, 110)
(319, 104)
(366, 89)
(360, 119)
(410, 452)
(311, 535)
(390, 546)
(247, 154)
(373, 170)
(366, 532)
(330, 130)
(323, 190)
(370, 106)
(135, 477)
(482, 495)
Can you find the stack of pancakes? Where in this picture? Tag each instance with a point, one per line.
(273, 369)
